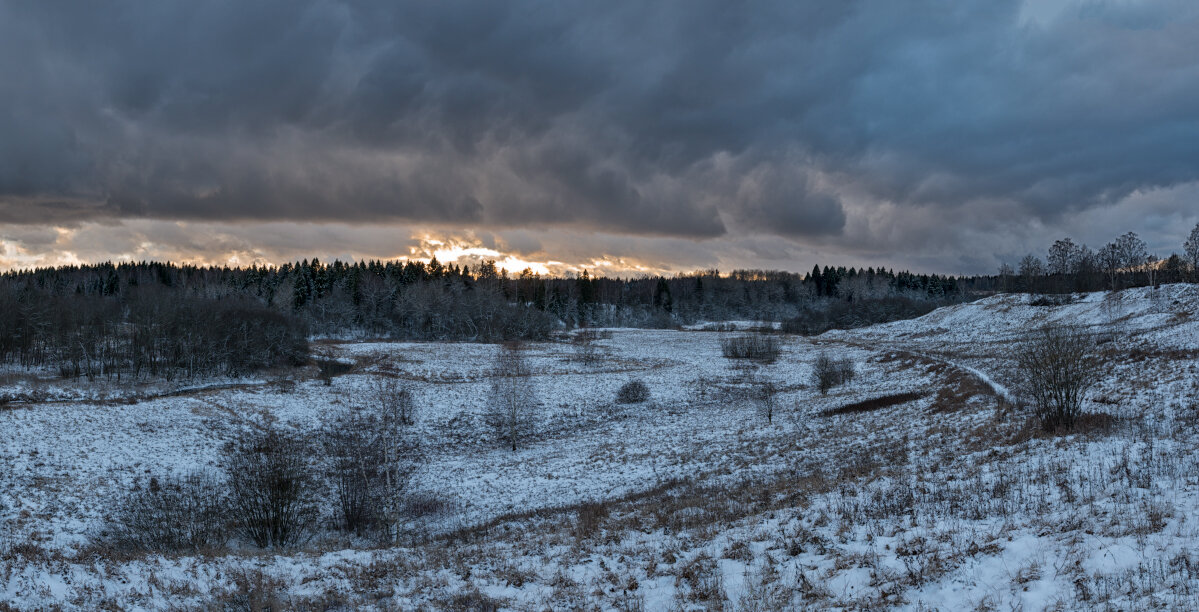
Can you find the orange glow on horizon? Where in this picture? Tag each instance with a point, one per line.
(78, 246)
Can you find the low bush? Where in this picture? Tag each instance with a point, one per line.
(765, 397)
(590, 515)
(828, 372)
(752, 347)
(633, 392)
(173, 515)
(585, 344)
(1057, 299)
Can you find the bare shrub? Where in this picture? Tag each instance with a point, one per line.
(1055, 367)
(828, 372)
(762, 348)
(421, 505)
(372, 454)
(173, 514)
(393, 399)
(1113, 305)
(513, 399)
(272, 488)
(586, 348)
(633, 392)
(471, 600)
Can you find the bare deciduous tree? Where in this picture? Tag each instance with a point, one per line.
(1191, 248)
(373, 453)
(393, 401)
(513, 399)
(1056, 365)
(765, 396)
(1132, 250)
(1061, 256)
(1031, 271)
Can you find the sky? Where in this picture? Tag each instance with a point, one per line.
(620, 137)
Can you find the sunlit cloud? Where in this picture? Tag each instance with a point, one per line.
(588, 137)
(272, 244)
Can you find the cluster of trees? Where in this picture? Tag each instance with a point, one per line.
(1124, 262)
(149, 333)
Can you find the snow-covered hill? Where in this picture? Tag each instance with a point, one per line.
(946, 499)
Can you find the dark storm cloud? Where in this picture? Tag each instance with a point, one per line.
(674, 118)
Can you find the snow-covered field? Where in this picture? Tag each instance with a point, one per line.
(692, 500)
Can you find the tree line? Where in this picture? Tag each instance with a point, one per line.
(1120, 264)
(152, 319)
(417, 300)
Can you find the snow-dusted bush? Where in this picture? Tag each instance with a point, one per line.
(272, 487)
(828, 372)
(1056, 365)
(173, 514)
(633, 392)
(513, 399)
(753, 347)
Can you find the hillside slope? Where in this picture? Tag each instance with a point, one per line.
(911, 487)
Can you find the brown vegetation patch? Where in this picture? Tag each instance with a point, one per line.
(1139, 354)
(904, 359)
(1014, 431)
(1090, 423)
(876, 403)
(959, 388)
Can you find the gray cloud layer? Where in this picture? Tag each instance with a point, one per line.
(686, 119)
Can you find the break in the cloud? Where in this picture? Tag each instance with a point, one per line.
(944, 135)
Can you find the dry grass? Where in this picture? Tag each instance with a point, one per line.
(902, 502)
(876, 403)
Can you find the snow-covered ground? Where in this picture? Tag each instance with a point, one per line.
(692, 500)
